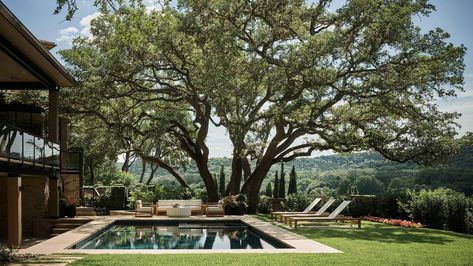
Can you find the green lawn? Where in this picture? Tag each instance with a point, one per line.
(374, 244)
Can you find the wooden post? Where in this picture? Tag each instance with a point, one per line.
(14, 211)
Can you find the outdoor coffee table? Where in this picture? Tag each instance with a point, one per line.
(179, 212)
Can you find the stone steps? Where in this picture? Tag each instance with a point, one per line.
(66, 224)
(85, 211)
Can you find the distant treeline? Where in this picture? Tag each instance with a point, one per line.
(366, 173)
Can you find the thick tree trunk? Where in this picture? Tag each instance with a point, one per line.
(233, 187)
(246, 168)
(154, 168)
(253, 184)
(212, 191)
(126, 163)
(143, 171)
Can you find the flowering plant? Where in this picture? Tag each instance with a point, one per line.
(71, 202)
(397, 222)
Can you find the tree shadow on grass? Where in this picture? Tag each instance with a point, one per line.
(384, 234)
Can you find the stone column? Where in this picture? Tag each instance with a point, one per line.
(14, 211)
(53, 201)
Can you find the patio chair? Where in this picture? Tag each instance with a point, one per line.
(333, 217)
(143, 209)
(274, 215)
(320, 212)
(214, 209)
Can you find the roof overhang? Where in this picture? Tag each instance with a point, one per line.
(25, 62)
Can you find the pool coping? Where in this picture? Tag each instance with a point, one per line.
(61, 243)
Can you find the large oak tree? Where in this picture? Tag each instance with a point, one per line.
(284, 78)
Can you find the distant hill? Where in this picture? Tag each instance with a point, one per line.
(334, 173)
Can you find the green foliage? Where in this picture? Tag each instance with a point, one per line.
(289, 57)
(441, 209)
(368, 185)
(222, 183)
(292, 189)
(235, 204)
(282, 183)
(362, 205)
(123, 178)
(113, 198)
(269, 190)
(296, 202)
(264, 205)
(7, 255)
(276, 185)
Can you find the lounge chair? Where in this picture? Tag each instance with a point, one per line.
(320, 212)
(274, 215)
(214, 209)
(333, 217)
(143, 209)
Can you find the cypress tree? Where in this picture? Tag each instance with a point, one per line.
(269, 190)
(276, 186)
(282, 183)
(221, 187)
(215, 179)
(292, 189)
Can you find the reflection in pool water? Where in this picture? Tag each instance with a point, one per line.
(197, 236)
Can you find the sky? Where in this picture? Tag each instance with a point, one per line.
(454, 16)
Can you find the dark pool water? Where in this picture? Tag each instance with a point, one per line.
(178, 235)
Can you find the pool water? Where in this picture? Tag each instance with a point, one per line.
(179, 235)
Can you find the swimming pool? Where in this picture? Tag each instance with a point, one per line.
(134, 234)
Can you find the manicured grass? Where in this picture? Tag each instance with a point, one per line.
(374, 244)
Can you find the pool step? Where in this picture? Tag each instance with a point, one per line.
(66, 224)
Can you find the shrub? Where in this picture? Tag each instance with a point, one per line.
(441, 208)
(264, 204)
(388, 204)
(235, 205)
(296, 202)
(7, 255)
(362, 205)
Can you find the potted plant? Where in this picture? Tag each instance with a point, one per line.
(62, 208)
(71, 207)
(235, 204)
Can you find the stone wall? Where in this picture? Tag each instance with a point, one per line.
(35, 195)
(71, 185)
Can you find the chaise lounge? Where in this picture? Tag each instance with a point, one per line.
(274, 215)
(333, 217)
(320, 212)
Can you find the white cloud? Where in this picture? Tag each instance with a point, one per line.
(68, 31)
(152, 5)
(67, 34)
(85, 23)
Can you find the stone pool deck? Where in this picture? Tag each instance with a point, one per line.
(61, 243)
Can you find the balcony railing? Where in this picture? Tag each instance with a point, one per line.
(72, 159)
(20, 146)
